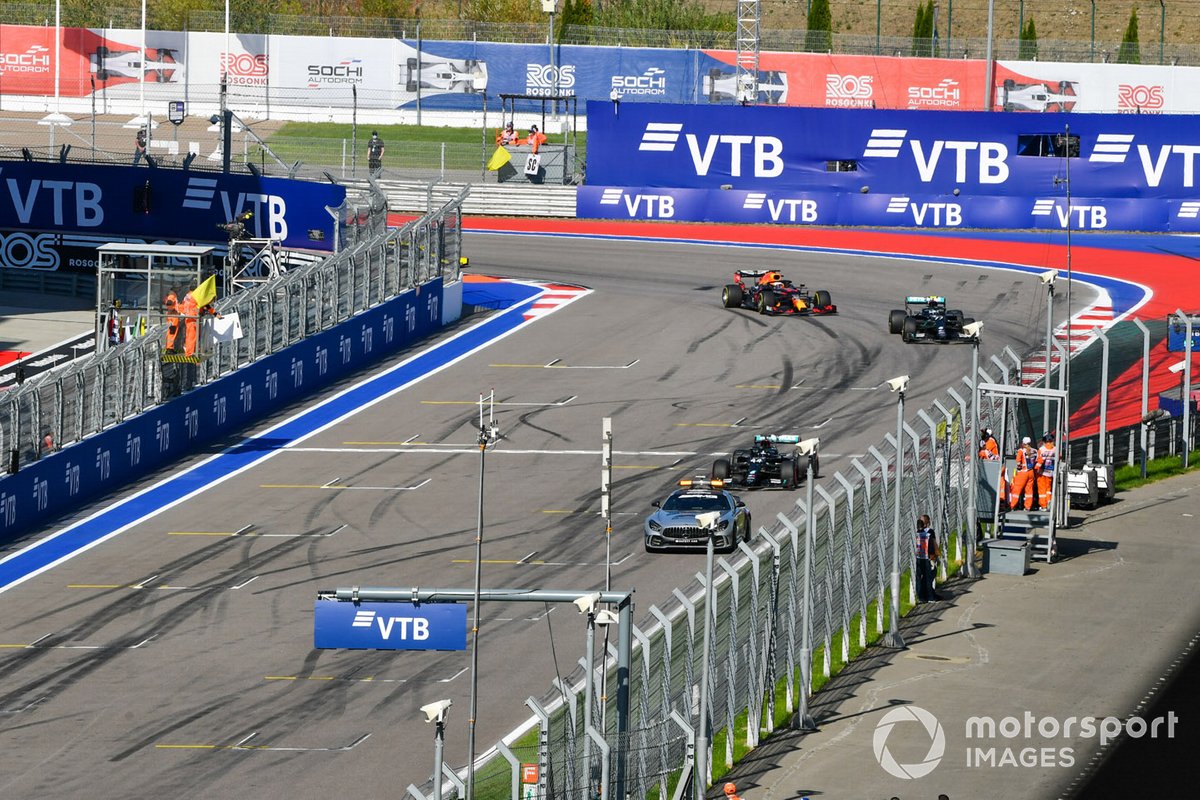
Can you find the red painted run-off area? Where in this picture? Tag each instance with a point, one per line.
(1173, 280)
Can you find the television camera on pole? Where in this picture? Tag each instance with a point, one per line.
(261, 266)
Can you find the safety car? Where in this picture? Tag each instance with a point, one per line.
(673, 524)
(925, 318)
(768, 292)
(763, 466)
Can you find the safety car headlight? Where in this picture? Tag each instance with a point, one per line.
(724, 525)
(654, 526)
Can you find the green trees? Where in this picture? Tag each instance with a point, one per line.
(819, 38)
(922, 36)
(1130, 53)
(1028, 50)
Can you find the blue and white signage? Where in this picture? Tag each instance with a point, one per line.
(182, 205)
(389, 626)
(922, 169)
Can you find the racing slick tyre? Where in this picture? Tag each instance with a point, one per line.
(909, 331)
(954, 314)
(766, 301)
(721, 469)
(967, 321)
(814, 461)
(822, 298)
(732, 296)
(896, 321)
(748, 532)
(789, 473)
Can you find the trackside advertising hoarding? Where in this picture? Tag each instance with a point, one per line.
(897, 168)
(278, 75)
(179, 204)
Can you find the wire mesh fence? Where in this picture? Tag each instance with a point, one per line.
(374, 264)
(767, 622)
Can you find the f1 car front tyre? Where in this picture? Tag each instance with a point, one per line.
(909, 331)
(766, 301)
(731, 296)
(896, 321)
(822, 298)
(721, 469)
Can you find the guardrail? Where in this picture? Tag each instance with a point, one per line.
(67, 405)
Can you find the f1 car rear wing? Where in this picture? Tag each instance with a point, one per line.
(778, 438)
(933, 298)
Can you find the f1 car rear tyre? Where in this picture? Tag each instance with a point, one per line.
(789, 473)
(822, 298)
(896, 320)
(731, 296)
(766, 301)
(814, 461)
(909, 330)
(721, 469)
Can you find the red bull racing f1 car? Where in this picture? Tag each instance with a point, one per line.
(767, 292)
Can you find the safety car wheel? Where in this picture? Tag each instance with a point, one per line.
(909, 330)
(731, 296)
(822, 298)
(896, 320)
(721, 469)
(766, 301)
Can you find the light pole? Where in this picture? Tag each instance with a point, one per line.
(804, 720)
(436, 713)
(548, 7)
(894, 639)
(1162, 30)
(708, 522)
(989, 92)
(1047, 278)
(1066, 367)
(1186, 319)
(587, 605)
(1093, 31)
(972, 457)
(487, 434)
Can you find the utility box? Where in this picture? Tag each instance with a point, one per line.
(1006, 557)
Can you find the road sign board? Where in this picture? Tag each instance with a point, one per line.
(389, 626)
(175, 111)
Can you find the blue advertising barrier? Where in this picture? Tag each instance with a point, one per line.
(163, 434)
(1177, 337)
(906, 210)
(389, 626)
(164, 203)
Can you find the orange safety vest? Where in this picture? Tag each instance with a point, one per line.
(1025, 461)
(1047, 455)
(990, 451)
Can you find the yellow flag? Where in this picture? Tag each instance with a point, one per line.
(206, 292)
(499, 159)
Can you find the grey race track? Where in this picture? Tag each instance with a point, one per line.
(223, 695)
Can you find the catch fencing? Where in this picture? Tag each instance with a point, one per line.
(758, 647)
(374, 264)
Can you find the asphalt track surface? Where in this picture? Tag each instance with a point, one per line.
(176, 658)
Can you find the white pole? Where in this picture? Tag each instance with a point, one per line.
(225, 61)
(893, 638)
(700, 779)
(57, 57)
(142, 81)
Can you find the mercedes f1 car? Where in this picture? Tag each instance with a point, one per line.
(674, 524)
(925, 319)
(767, 292)
(763, 466)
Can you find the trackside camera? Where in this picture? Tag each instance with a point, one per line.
(899, 384)
(436, 712)
(1048, 277)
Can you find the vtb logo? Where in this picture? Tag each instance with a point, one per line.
(763, 154)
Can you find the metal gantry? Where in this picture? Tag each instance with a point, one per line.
(749, 25)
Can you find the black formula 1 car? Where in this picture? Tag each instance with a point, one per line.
(925, 319)
(767, 292)
(762, 466)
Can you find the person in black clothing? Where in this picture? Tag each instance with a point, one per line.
(927, 556)
(139, 146)
(375, 154)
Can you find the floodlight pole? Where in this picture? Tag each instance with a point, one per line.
(1187, 384)
(973, 462)
(893, 638)
(587, 703)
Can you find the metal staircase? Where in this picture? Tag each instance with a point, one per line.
(749, 24)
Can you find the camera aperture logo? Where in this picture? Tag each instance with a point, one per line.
(933, 728)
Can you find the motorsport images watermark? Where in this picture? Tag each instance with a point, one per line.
(1025, 741)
